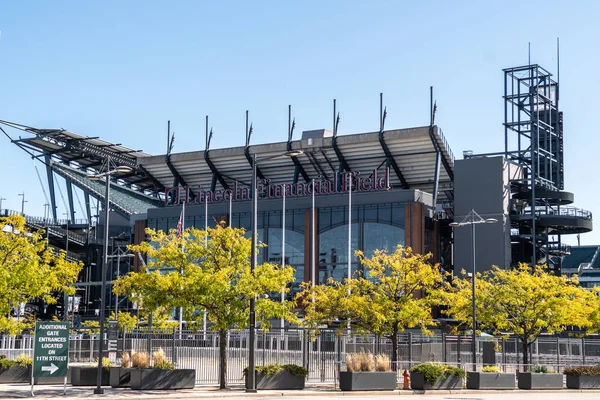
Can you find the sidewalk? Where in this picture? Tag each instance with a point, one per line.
(15, 391)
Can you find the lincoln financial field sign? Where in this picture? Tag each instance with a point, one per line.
(195, 194)
(51, 354)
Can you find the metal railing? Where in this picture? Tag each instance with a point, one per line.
(324, 354)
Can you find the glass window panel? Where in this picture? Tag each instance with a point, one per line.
(398, 215)
(324, 218)
(338, 216)
(384, 214)
(381, 237)
(294, 254)
(370, 214)
(333, 253)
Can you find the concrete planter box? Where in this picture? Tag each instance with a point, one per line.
(490, 380)
(162, 379)
(444, 382)
(87, 376)
(351, 381)
(537, 381)
(583, 382)
(283, 380)
(119, 377)
(16, 374)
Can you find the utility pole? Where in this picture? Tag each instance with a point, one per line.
(23, 201)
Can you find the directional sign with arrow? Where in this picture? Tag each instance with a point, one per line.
(51, 354)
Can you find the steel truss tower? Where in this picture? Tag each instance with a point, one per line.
(533, 141)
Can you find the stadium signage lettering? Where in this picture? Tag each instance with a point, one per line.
(375, 181)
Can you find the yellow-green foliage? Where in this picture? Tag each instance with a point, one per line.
(23, 359)
(211, 274)
(490, 368)
(524, 301)
(398, 293)
(29, 269)
(125, 320)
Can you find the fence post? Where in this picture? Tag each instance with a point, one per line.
(557, 354)
(443, 347)
(458, 346)
(173, 349)
(410, 354)
(503, 351)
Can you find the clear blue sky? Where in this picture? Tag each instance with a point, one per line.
(120, 69)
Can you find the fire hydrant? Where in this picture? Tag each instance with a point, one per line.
(406, 376)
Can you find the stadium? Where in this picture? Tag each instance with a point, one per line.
(321, 195)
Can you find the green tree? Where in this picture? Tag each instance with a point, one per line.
(397, 293)
(523, 301)
(212, 275)
(29, 270)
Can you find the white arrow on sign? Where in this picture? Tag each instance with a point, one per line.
(52, 368)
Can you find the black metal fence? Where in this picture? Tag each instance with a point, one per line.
(322, 353)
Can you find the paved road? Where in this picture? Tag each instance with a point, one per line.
(15, 391)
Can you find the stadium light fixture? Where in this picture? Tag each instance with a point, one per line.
(251, 387)
(472, 218)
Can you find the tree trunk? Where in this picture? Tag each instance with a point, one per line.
(394, 349)
(222, 359)
(525, 349)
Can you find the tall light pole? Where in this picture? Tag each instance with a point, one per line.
(251, 388)
(472, 218)
(23, 201)
(106, 175)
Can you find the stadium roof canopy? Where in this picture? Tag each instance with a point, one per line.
(413, 156)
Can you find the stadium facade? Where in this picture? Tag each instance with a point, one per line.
(361, 191)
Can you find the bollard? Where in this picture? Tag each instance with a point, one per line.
(406, 376)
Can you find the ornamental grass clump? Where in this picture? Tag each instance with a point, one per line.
(126, 360)
(382, 363)
(367, 362)
(160, 361)
(590, 370)
(140, 360)
(490, 368)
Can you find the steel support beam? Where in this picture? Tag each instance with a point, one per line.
(70, 199)
(157, 185)
(177, 178)
(50, 175)
(216, 173)
(88, 208)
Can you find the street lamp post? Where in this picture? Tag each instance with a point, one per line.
(472, 218)
(23, 201)
(251, 388)
(106, 175)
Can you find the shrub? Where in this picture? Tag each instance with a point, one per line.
(583, 370)
(272, 369)
(140, 360)
(541, 369)
(382, 363)
(433, 371)
(24, 359)
(106, 364)
(490, 368)
(6, 364)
